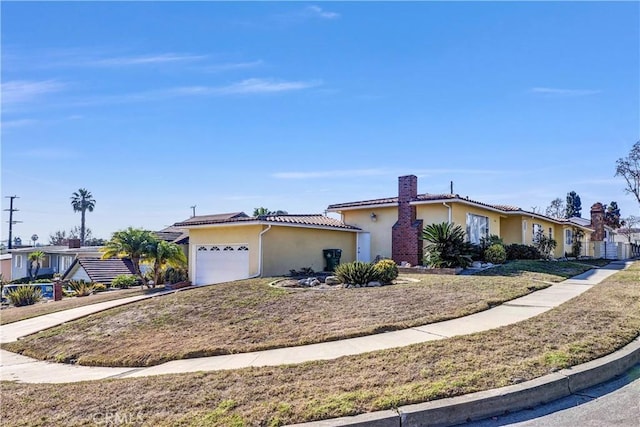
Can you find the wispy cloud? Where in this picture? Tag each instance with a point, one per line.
(144, 59)
(232, 66)
(22, 91)
(563, 92)
(330, 174)
(17, 123)
(244, 87)
(48, 153)
(318, 12)
(266, 86)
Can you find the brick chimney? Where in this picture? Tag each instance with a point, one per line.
(74, 243)
(597, 222)
(406, 244)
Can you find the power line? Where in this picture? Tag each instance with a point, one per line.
(11, 221)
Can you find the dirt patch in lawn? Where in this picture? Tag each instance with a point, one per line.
(249, 315)
(589, 326)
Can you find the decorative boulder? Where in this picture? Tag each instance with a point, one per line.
(314, 282)
(332, 280)
(374, 284)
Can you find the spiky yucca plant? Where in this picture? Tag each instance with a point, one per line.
(80, 288)
(447, 245)
(356, 273)
(24, 295)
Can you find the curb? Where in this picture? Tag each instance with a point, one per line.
(489, 403)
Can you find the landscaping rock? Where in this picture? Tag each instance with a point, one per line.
(303, 282)
(374, 284)
(332, 280)
(314, 282)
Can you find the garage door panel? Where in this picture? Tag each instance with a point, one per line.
(221, 263)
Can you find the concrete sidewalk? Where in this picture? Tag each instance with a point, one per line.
(24, 369)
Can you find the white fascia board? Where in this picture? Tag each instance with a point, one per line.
(275, 224)
(463, 201)
(364, 207)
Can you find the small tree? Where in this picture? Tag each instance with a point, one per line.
(574, 205)
(58, 238)
(612, 215)
(35, 262)
(162, 254)
(628, 226)
(556, 209)
(133, 243)
(576, 246)
(544, 244)
(629, 168)
(262, 211)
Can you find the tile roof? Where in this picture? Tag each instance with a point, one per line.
(311, 220)
(384, 201)
(507, 209)
(102, 270)
(212, 218)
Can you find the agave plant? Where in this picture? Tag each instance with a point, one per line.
(357, 273)
(446, 246)
(80, 288)
(24, 295)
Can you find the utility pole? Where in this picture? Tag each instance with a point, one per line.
(11, 221)
(193, 208)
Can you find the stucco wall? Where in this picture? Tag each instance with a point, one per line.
(248, 234)
(286, 248)
(432, 213)
(460, 211)
(380, 229)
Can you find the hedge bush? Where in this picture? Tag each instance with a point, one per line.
(495, 254)
(387, 270)
(124, 281)
(519, 251)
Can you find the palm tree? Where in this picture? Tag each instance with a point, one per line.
(163, 254)
(132, 243)
(35, 262)
(82, 201)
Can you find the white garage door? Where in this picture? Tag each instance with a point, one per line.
(221, 263)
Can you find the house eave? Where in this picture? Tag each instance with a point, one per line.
(363, 207)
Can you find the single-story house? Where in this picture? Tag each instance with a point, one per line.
(395, 223)
(98, 270)
(234, 246)
(57, 259)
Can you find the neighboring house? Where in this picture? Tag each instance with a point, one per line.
(236, 246)
(394, 224)
(57, 259)
(5, 266)
(98, 270)
(631, 235)
(173, 234)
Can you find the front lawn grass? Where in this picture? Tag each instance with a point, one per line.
(548, 271)
(249, 315)
(589, 326)
(15, 314)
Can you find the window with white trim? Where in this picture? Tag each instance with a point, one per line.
(18, 261)
(568, 236)
(477, 228)
(537, 232)
(46, 262)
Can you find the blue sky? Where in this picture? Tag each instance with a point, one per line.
(157, 106)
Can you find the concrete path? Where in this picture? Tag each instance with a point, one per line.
(24, 369)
